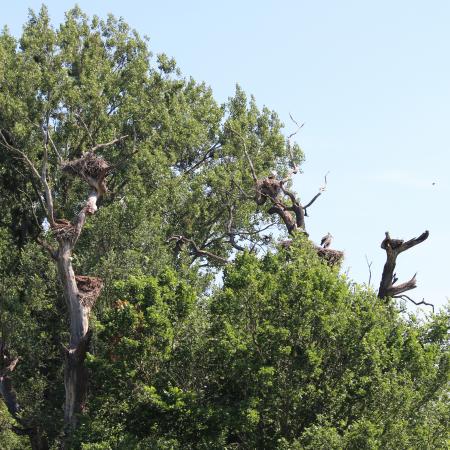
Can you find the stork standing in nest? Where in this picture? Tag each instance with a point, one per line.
(326, 240)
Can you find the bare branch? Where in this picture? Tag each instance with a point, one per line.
(298, 127)
(369, 266)
(230, 232)
(197, 251)
(108, 144)
(321, 190)
(393, 248)
(423, 302)
(44, 181)
(295, 168)
(78, 116)
(55, 149)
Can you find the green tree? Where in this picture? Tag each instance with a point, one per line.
(287, 354)
(88, 100)
(117, 171)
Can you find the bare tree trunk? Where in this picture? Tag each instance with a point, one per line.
(74, 373)
(393, 248)
(80, 292)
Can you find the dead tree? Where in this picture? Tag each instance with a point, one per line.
(393, 248)
(80, 292)
(283, 201)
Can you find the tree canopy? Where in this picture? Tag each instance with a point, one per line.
(147, 297)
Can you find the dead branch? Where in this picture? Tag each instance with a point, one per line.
(294, 169)
(393, 248)
(107, 144)
(55, 148)
(42, 177)
(322, 189)
(369, 266)
(44, 181)
(423, 302)
(197, 252)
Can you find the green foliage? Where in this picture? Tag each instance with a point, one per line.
(278, 351)
(285, 355)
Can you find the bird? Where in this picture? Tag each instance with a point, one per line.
(326, 240)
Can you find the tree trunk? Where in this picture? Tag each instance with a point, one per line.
(75, 377)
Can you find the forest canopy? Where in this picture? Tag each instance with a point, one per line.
(158, 287)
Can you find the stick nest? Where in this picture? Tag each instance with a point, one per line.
(267, 187)
(88, 167)
(63, 230)
(89, 289)
(332, 257)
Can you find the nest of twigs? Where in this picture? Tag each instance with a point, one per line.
(88, 167)
(332, 257)
(89, 289)
(63, 230)
(267, 187)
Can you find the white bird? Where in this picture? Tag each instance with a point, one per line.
(326, 240)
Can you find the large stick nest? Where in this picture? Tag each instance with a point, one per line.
(89, 289)
(332, 257)
(267, 187)
(63, 230)
(89, 167)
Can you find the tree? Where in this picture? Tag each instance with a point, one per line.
(84, 101)
(126, 190)
(287, 354)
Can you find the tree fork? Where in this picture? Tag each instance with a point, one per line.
(393, 248)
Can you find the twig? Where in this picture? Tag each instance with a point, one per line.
(423, 302)
(44, 181)
(108, 144)
(321, 190)
(294, 169)
(369, 266)
(55, 149)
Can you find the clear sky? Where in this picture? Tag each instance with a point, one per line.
(371, 81)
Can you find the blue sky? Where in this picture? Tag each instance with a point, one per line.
(371, 81)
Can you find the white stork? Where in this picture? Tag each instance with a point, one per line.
(326, 240)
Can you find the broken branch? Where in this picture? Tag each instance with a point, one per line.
(393, 248)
